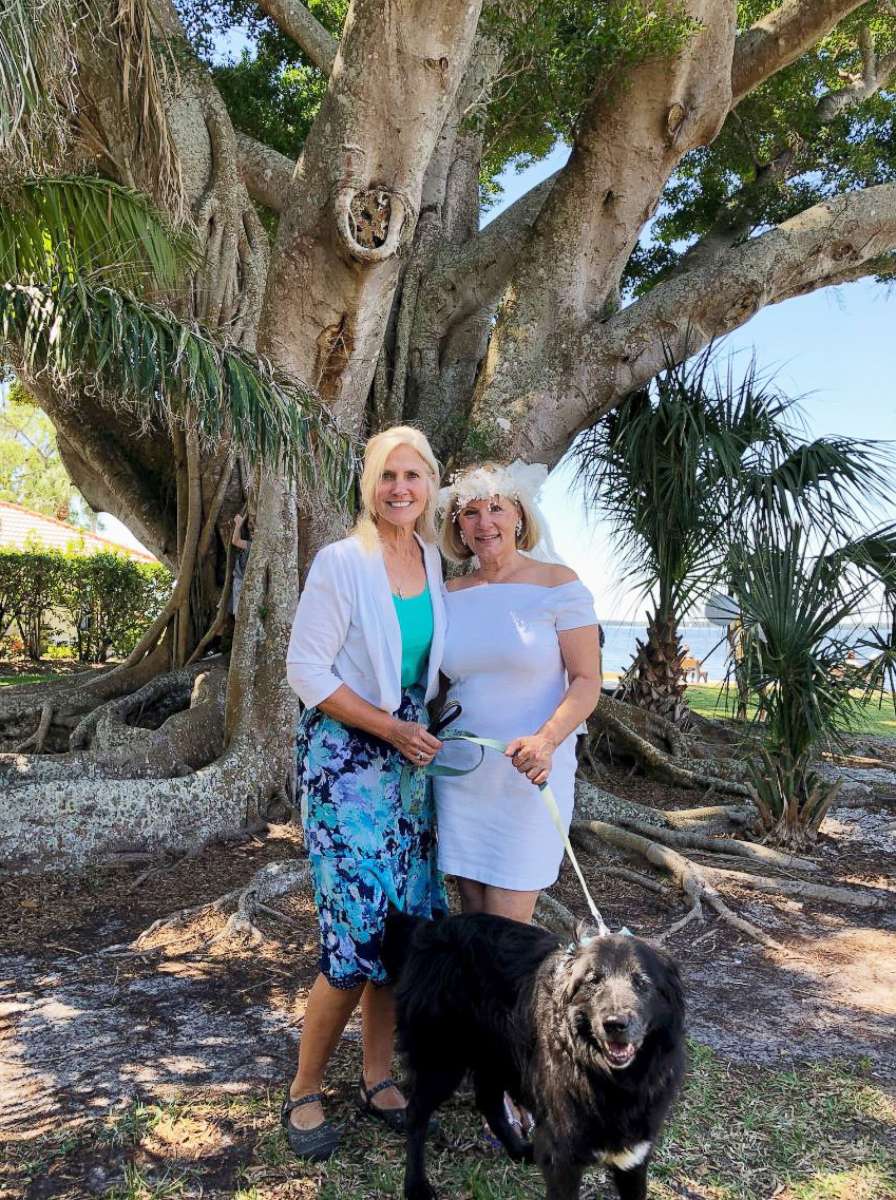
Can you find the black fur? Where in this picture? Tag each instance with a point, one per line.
(553, 1027)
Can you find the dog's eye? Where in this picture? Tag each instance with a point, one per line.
(641, 982)
(593, 977)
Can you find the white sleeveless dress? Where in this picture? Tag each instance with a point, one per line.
(502, 657)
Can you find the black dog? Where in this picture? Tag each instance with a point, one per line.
(588, 1038)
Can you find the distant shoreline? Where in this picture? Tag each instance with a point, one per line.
(615, 676)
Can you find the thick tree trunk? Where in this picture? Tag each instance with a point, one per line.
(123, 784)
(383, 293)
(346, 217)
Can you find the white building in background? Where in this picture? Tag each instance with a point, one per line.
(19, 526)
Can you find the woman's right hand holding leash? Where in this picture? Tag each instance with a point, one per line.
(413, 740)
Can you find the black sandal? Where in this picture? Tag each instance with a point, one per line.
(395, 1118)
(314, 1145)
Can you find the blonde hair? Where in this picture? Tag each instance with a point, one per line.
(377, 450)
(449, 540)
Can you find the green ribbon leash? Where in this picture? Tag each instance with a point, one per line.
(550, 800)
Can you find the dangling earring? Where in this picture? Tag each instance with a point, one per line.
(463, 540)
(519, 528)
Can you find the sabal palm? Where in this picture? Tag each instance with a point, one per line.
(681, 469)
(78, 256)
(794, 603)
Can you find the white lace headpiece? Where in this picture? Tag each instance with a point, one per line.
(518, 481)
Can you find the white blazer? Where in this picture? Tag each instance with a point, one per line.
(346, 628)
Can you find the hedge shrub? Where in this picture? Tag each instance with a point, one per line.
(98, 603)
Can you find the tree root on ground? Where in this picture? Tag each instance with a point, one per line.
(711, 818)
(694, 913)
(619, 721)
(551, 914)
(164, 695)
(803, 890)
(63, 705)
(275, 879)
(724, 731)
(730, 847)
(187, 740)
(644, 881)
(595, 803)
(690, 877)
(37, 739)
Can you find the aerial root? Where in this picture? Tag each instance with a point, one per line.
(36, 741)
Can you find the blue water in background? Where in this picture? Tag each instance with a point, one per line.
(705, 642)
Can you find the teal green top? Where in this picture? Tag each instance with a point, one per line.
(415, 622)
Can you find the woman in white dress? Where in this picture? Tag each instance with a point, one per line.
(522, 657)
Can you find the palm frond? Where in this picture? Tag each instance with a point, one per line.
(37, 73)
(168, 372)
(78, 224)
(875, 553)
(41, 44)
(832, 483)
(700, 462)
(793, 605)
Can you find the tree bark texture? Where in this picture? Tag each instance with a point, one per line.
(381, 291)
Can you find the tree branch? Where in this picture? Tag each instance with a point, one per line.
(874, 75)
(265, 172)
(780, 37)
(568, 271)
(298, 23)
(586, 375)
(475, 275)
(743, 211)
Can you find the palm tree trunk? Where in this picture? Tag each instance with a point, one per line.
(655, 681)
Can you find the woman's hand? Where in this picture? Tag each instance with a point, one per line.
(532, 756)
(416, 744)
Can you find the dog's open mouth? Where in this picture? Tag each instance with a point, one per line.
(619, 1054)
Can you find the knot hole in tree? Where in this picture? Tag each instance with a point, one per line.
(369, 214)
(370, 222)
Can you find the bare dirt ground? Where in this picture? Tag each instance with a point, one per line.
(84, 1034)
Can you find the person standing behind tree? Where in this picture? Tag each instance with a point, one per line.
(364, 658)
(241, 541)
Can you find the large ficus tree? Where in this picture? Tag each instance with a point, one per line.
(335, 183)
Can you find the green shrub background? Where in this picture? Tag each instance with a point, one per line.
(95, 605)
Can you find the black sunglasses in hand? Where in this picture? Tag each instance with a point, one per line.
(449, 714)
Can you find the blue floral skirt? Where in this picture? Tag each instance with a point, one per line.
(370, 841)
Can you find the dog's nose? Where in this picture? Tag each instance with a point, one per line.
(617, 1025)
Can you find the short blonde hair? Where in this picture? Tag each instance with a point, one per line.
(377, 450)
(449, 540)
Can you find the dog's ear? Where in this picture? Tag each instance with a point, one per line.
(668, 980)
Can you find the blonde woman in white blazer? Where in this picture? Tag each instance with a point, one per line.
(364, 657)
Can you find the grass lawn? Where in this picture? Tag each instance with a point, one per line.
(6, 680)
(822, 1132)
(714, 700)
